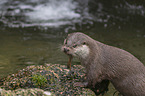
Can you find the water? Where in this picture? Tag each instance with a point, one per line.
(52, 13)
(32, 31)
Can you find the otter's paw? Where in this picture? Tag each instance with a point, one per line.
(80, 84)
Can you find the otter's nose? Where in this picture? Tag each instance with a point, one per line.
(66, 50)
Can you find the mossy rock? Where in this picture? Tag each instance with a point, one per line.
(54, 78)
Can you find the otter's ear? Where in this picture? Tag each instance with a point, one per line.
(68, 35)
(65, 41)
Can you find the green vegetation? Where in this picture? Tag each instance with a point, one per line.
(39, 80)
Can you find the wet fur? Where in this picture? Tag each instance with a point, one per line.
(105, 62)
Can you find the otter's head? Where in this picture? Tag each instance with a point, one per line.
(76, 45)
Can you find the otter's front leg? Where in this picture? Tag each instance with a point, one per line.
(81, 84)
(87, 83)
(92, 77)
(99, 88)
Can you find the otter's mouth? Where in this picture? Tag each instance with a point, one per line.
(66, 50)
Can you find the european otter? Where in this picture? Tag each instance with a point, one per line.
(104, 62)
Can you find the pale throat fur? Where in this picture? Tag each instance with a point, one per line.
(82, 51)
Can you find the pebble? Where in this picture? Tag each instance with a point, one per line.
(1, 89)
(47, 93)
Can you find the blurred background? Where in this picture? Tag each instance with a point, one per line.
(32, 31)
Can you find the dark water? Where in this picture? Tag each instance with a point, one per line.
(32, 31)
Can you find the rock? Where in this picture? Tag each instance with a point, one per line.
(25, 92)
(1, 89)
(47, 93)
(53, 78)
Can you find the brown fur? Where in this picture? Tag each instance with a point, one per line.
(105, 62)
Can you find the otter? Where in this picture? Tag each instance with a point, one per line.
(104, 62)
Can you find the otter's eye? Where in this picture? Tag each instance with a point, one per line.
(84, 43)
(65, 42)
(74, 46)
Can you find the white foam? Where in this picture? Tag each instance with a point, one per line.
(46, 13)
(54, 10)
(3, 1)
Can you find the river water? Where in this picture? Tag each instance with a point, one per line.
(32, 31)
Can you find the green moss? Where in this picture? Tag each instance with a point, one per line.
(39, 80)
